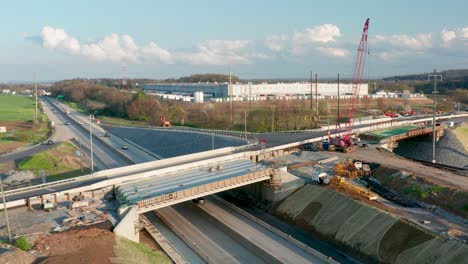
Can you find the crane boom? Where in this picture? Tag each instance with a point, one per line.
(344, 140)
(358, 68)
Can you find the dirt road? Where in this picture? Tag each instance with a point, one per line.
(434, 175)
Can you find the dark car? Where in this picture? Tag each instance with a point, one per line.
(48, 142)
(125, 147)
(200, 200)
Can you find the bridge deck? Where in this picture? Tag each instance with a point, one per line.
(389, 132)
(134, 192)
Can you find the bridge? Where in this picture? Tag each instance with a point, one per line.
(389, 137)
(168, 189)
(176, 179)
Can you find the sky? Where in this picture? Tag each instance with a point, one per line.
(54, 40)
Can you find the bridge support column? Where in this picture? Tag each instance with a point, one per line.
(127, 226)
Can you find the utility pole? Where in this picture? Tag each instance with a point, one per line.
(338, 115)
(435, 76)
(311, 93)
(91, 141)
(245, 124)
(81, 156)
(35, 92)
(6, 211)
(230, 92)
(316, 100)
(250, 97)
(273, 117)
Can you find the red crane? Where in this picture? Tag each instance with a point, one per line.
(345, 141)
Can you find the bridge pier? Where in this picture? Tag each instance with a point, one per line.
(129, 227)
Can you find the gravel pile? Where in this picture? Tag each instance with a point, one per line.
(449, 150)
(171, 143)
(17, 176)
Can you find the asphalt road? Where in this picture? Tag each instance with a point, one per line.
(114, 144)
(277, 246)
(105, 157)
(195, 238)
(26, 152)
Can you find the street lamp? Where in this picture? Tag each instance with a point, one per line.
(91, 117)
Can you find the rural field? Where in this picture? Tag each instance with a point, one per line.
(16, 108)
(17, 115)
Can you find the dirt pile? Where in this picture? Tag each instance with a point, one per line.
(367, 232)
(17, 256)
(84, 246)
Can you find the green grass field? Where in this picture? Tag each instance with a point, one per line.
(17, 115)
(16, 108)
(58, 163)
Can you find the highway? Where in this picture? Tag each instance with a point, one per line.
(223, 235)
(133, 154)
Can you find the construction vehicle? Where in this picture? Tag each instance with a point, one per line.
(47, 206)
(165, 122)
(344, 141)
(348, 186)
(352, 169)
(390, 114)
(408, 113)
(320, 177)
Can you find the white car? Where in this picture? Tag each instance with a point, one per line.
(81, 123)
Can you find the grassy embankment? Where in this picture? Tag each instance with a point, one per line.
(462, 135)
(108, 119)
(127, 251)
(58, 163)
(417, 188)
(17, 115)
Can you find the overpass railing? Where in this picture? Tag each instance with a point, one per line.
(202, 190)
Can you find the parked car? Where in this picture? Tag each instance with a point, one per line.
(125, 147)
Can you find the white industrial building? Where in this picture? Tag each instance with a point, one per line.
(224, 91)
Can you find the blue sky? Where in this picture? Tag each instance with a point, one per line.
(261, 39)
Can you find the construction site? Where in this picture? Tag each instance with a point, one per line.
(332, 194)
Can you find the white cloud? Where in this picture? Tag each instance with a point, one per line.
(334, 52)
(418, 42)
(464, 33)
(58, 39)
(321, 34)
(276, 42)
(218, 52)
(318, 39)
(116, 47)
(448, 36)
